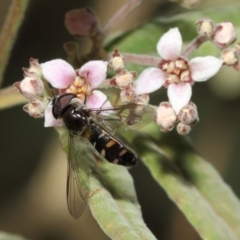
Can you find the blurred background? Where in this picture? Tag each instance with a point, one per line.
(33, 167)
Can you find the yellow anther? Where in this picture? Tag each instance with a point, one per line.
(181, 64)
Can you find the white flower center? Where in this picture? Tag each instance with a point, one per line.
(177, 71)
(80, 87)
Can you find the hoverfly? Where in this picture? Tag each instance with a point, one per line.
(91, 132)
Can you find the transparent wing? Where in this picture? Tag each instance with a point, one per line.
(79, 159)
(124, 118)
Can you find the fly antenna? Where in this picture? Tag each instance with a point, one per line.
(85, 98)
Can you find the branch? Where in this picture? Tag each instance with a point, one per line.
(9, 31)
(121, 14)
(10, 97)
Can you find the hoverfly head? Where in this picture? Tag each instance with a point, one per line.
(61, 103)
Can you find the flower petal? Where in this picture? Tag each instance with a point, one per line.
(50, 121)
(94, 72)
(170, 44)
(97, 100)
(179, 95)
(149, 81)
(203, 68)
(58, 73)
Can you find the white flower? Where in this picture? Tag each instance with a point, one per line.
(82, 82)
(175, 72)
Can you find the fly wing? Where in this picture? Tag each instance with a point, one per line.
(124, 118)
(79, 169)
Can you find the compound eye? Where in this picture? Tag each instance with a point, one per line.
(64, 100)
(60, 103)
(55, 112)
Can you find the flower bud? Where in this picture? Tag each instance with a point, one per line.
(81, 22)
(35, 108)
(30, 87)
(34, 69)
(124, 78)
(224, 35)
(117, 64)
(229, 56)
(205, 27)
(183, 129)
(117, 61)
(237, 48)
(166, 116)
(188, 115)
(128, 94)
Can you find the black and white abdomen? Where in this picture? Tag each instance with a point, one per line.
(110, 149)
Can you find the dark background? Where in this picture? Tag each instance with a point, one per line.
(33, 168)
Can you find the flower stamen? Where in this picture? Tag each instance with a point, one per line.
(80, 87)
(177, 71)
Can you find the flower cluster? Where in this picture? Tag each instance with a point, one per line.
(222, 35)
(133, 91)
(65, 79)
(174, 72)
(32, 87)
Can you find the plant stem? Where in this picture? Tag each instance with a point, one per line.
(10, 97)
(141, 59)
(9, 31)
(194, 45)
(121, 14)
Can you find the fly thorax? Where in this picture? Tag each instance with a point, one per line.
(75, 120)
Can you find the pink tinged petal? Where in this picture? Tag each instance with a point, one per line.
(149, 81)
(97, 100)
(170, 44)
(179, 95)
(50, 121)
(94, 72)
(58, 73)
(203, 68)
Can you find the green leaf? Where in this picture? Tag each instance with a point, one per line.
(9, 31)
(193, 184)
(119, 218)
(112, 199)
(204, 177)
(213, 188)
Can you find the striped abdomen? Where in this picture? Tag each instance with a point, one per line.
(110, 148)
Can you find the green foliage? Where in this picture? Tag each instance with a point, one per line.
(190, 181)
(113, 200)
(192, 184)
